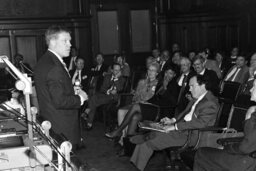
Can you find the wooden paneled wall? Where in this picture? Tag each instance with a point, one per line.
(197, 24)
(197, 32)
(26, 36)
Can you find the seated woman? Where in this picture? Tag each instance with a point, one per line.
(165, 94)
(144, 91)
(15, 102)
(234, 157)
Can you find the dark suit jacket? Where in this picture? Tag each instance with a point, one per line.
(242, 76)
(97, 75)
(166, 97)
(232, 158)
(57, 101)
(183, 101)
(84, 77)
(204, 115)
(213, 80)
(107, 83)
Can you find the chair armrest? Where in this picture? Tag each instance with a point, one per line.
(124, 99)
(208, 129)
(253, 154)
(227, 141)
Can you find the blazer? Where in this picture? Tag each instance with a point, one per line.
(108, 83)
(204, 115)
(212, 65)
(57, 100)
(97, 76)
(166, 97)
(213, 80)
(242, 76)
(183, 101)
(84, 77)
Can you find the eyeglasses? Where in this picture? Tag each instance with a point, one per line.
(152, 70)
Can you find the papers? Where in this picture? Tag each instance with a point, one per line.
(150, 125)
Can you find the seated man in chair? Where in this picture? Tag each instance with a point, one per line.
(112, 85)
(234, 157)
(200, 112)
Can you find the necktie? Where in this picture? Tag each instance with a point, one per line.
(234, 76)
(183, 85)
(231, 76)
(65, 66)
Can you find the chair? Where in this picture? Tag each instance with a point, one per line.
(235, 121)
(229, 93)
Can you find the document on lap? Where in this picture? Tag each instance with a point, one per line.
(150, 125)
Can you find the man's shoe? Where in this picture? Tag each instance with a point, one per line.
(88, 127)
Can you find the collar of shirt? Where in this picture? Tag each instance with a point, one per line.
(181, 79)
(200, 98)
(113, 78)
(58, 56)
(202, 72)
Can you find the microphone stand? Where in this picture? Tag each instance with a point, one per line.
(25, 84)
(44, 133)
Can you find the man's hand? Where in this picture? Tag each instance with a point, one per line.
(82, 94)
(167, 121)
(113, 92)
(169, 128)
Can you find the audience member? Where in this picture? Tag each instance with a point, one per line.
(145, 90)
(183, 82)
(175, 47)
(112, 85)
(164, 60)
(156, 55)
(125, 68)
(165, 95)
(210, 75)
(222, 63)
(252, 72)
(96, 74)
(72, 58)
(200, 113)
(234, 156)
(239, 72)
(79, 75)
(191, 55)
(233, 55)
(209, 63)
(16, 102)
(21, 66)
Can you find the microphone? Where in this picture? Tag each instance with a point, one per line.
(23, 65)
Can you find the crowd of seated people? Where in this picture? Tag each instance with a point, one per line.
(194, 80)
(191, 84)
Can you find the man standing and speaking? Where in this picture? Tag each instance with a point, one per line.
(58, 102)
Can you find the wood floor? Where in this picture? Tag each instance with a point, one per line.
(100, 154)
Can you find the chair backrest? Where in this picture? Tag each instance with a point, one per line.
(230, 90)
(136, 76)
(236, 118)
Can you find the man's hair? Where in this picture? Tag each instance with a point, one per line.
(186, 60)
(79, 58)
(201, 79)
(115, 63)
(53, 31)
(198, 57)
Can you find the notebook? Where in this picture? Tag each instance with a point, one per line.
(150, 125)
